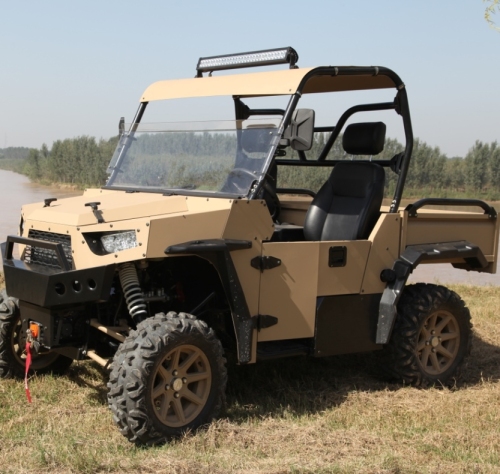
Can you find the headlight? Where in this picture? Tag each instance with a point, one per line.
(119, 241)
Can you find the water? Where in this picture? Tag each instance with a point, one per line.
(16, 190)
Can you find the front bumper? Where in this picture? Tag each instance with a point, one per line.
(53, 287)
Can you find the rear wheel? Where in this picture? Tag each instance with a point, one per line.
(13, 344)
(168, 377)
(431, 337)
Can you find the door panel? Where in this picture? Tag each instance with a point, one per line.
(345, 279)
(289, 291)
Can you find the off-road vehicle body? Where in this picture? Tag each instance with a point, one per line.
(197, 246)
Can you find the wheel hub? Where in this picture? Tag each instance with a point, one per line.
(438, 342)
(177, 384)
(181, 385)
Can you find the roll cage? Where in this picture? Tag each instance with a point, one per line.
(307, 81)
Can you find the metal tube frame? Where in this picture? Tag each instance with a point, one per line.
(400, 105)
(128, 140)
(107, 330)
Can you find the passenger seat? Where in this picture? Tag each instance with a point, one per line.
(347, 206)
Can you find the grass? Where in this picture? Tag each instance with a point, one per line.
(297, 415)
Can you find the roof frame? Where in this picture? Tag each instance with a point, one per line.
(283, 82)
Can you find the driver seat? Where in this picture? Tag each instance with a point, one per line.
(347, 206)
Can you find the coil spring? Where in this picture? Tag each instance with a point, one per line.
(132, 291)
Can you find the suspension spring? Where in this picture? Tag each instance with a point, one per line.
(132, 292)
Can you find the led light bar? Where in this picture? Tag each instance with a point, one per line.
(251, 59)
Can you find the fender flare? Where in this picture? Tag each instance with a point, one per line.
(471, 254)
(217, 252)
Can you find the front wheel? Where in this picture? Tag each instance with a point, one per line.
(168, 377)
(431, 337)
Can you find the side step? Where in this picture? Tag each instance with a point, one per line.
(288, 348)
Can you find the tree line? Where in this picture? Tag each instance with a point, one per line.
(82, 161)
(431, 172)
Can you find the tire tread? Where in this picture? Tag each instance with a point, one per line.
(133, 363)
(416, 303)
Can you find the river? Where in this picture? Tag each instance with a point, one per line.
(16, 190)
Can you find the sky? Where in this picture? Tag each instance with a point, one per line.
(74, 68)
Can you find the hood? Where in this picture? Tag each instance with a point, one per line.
(113, 206)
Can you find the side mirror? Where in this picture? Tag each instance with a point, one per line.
(299, 134)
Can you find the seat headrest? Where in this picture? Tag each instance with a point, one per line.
(364, 138)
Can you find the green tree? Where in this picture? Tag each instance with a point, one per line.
(54, 162)
(493, 6)
(455, 173)
(426, 167)
(494, 165)
(32, 167)
(476, 164)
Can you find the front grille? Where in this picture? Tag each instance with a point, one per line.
(47, 257)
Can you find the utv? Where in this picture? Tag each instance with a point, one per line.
(264, 235)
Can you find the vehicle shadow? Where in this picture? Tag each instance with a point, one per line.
(304, 385)
(299, 385)
(92, 376)
(483, 364)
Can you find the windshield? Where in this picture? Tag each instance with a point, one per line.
(224, 157)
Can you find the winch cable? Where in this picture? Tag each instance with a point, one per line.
(27, 368)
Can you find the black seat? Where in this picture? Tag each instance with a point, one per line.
(347, 206)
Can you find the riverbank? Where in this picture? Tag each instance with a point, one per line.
(62, 186)
(15, 167)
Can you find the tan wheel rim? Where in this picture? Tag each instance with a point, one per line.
(181, 386)
(438, 342)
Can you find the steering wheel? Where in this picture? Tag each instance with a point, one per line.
(236, 179)
(237, 171)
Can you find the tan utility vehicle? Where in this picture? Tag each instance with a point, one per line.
(200, 244)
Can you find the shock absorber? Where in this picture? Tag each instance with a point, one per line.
(132, 292)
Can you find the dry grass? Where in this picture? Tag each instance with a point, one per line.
(295, 415)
